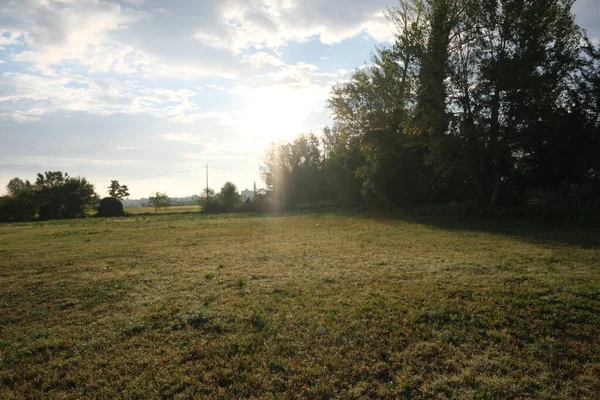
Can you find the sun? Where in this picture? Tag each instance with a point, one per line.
(278, 113)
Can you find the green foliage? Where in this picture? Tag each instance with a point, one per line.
(61, 196)
(478, 102)
(17, 185)
(207, 195)
(291, 171)
(55, 195)
(229, 196)
(51, 179)
(21, 206)
(158, 200)
(118, 191)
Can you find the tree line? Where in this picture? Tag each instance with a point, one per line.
(56, 195)
(482, 103)
(477, 102)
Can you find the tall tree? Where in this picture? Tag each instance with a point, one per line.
(290, 171)
(377, 104)
(525, 50)
(118, 191)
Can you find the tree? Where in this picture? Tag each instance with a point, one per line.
(230, 196)
(20, 206)
(50, 179)
(62, 196)
(291, 171)
(158, 200)
(17, 185)
(206, 196)
(375, 107)
(79, 196)
(118, 191)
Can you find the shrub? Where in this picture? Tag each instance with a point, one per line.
(62, 196)
(110, 207)
(19, 207)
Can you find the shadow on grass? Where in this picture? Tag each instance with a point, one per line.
(534, 231)
(550, 233)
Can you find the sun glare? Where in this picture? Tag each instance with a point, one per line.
(273, 114)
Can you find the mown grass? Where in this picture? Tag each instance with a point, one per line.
(315, 306)
(163, 210)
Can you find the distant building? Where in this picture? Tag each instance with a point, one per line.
(247, 194)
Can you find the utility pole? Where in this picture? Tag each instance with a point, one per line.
(207, 185)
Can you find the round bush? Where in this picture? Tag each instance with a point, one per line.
(110, 207)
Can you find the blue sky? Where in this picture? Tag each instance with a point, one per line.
(149, 91)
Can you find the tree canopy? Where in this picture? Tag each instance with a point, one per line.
(118, 191)
(477, 101)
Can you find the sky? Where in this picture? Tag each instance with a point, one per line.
(148, 92)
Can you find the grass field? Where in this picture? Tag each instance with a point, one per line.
(165, 210)
(312, 306)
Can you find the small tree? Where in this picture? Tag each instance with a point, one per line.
(230, 196)
(118, 191)
(158, 200)
(206, 197)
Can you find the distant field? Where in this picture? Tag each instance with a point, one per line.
(315, 306)
(165, 210)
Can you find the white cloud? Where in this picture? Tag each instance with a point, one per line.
(261, 59)
(9, 38)
(214, 87)
(70, 92)
(33, 114)
(96, 34)
(273, 23)
(179, 137)
(59, 31)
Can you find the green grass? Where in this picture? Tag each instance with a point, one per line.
(314, 306)
(165, 210)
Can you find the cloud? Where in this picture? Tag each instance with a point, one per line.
(10, 38)
(30, 96)
(208, 38)
(102, 36)
(175, 84)
(180, 137)
(587, 14)
(59, 31)
(33, 114)
(273, 23)
(261, 59)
